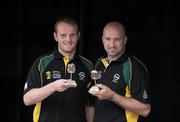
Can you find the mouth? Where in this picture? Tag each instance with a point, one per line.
(112, 49)
(67, 44)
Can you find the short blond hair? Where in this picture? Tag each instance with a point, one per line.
(68, 20)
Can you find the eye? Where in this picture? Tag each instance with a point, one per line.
(63, 35)
(118, 39)
(73, 35)
(107, 38)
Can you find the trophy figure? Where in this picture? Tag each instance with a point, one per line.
(71, 69)
(94, 76)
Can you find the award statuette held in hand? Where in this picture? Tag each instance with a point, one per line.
(94, 76)
(71, 69)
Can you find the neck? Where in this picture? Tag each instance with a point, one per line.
(114, 58)
(70, 55)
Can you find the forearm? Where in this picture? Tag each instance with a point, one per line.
(132, 105)
(90, 113)
(37, 94)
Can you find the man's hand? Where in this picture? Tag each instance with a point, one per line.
(104, 93)
(61, 85)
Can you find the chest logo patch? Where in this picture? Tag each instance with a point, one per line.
(145, 94)
(81, 76)
(48, 75)
(99, 74)
(56, 74)
(116, 77)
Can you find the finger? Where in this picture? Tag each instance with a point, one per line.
(99, 97)
(94, 93)
(64, 81)
(100, 86)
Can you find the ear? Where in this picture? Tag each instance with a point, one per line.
(79, 34)
(125, 40)
(55, 36)
(102, 37)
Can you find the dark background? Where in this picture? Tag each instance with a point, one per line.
(26, 28)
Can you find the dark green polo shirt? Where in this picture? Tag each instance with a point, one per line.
(112, 76)
(60, 106)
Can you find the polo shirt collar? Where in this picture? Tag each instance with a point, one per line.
(121, 59)
(58, 55)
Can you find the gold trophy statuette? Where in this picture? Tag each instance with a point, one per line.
(71, 69)
(94, 76)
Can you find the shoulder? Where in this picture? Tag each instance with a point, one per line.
(98, 61)
(44, 59)
(137, 64)
(86, 62)
(45, 56)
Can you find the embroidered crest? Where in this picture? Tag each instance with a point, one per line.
(48, 75)
(81, 76)
(56, 74)
(145, 94)
(116, 77)
(99, 74)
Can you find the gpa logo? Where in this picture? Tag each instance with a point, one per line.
(56, 74)
(53, 74)
(81, 76)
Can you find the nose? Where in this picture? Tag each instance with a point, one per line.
(111, 43)
(68, 38)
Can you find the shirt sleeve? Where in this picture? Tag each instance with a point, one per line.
(33, 79)
(140, 87)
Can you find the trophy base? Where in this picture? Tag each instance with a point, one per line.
(94, 89)
(72, 82)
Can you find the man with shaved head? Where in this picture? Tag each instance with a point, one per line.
(123, 81)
